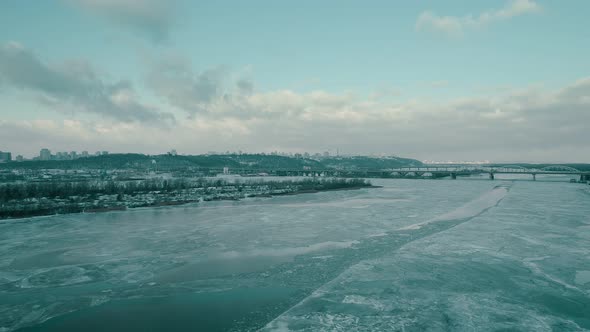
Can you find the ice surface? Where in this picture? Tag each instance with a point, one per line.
(414, 255)
(469, 210)
(582, 277)
(514, 267)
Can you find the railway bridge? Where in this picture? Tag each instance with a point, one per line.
(455, 171)
(413, 172)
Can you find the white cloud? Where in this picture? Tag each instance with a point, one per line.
(529, 124)
(454, 25)
(224, 111)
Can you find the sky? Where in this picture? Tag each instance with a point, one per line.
(427, 79)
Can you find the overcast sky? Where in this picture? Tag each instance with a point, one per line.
(432, 80)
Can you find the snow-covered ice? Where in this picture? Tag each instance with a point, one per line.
(458, 255)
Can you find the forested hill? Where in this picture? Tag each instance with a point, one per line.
(249, 161)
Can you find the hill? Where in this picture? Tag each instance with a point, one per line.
(134, 161)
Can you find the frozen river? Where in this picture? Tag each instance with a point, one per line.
(415, 255)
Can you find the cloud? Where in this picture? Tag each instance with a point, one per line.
(150, 18)
(216, 92)
(479, 126)
(245, 86)
(174, 80)
(455, 26)
(525, 124)
(74, 85)
(213, 90)
(227, 111)
(530, 124)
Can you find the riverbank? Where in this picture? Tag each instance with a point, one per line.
(120, 198)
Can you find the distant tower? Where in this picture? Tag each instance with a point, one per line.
(5, 156)
(45, 154)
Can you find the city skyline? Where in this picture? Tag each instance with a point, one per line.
(506, 81)
(67, 155)
(48, 154)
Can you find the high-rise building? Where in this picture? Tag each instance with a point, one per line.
(73, 155)
(84, 154)
(20, 158)
(5, 157)
(45, 154)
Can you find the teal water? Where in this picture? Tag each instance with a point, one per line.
(463, 255)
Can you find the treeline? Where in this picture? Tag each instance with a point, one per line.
(327, 184)
(52, 190)
(25, 190)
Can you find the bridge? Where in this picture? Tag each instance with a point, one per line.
(454, 171)
(413, 172)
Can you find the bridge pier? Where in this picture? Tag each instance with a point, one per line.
(454, 176)
(534, 177)
(491, 176)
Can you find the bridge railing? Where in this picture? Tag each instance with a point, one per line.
(488, 169)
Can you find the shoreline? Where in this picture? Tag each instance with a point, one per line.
(314, 191)
(119, 208)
